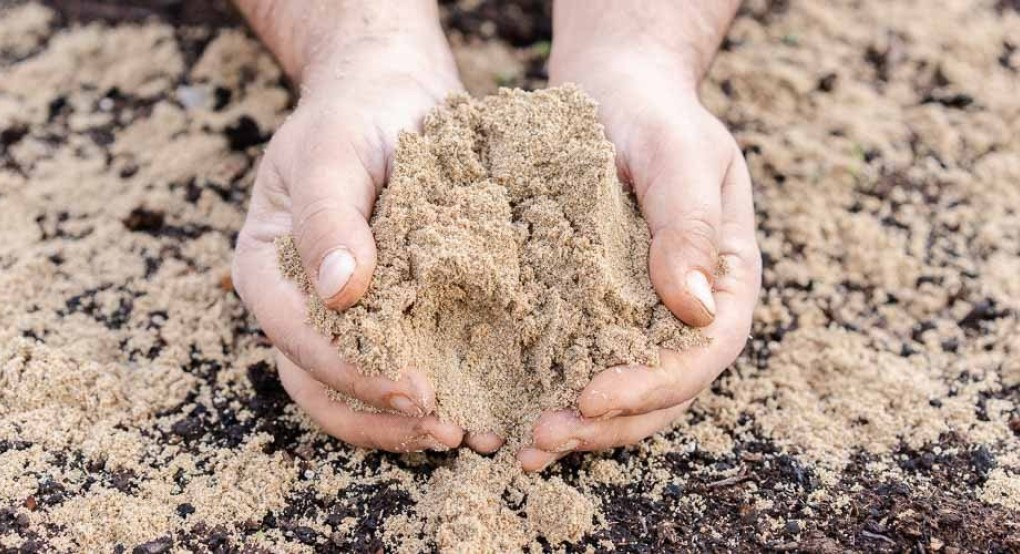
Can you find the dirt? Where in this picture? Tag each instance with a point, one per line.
(136, 386)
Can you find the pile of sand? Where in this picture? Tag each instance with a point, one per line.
(512, 263)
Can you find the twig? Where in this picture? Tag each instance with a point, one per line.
(728, 481)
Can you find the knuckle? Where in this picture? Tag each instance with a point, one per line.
(312, 233)
(293, 349)
(699, 233)
(313, 215)
(623, 434)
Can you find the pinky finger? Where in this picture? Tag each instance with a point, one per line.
(392, 432)
(560, 433)
(483, 443)
(557, 431)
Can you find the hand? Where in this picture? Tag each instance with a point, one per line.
(692, 184)
(318, 181)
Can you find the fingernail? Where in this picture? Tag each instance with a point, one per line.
(334, 272)
(699, 287)
(568, 446)
(405, 405)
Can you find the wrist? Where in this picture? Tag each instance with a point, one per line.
(424, 58)
(595, 65)
(680, 37)
(305, 36)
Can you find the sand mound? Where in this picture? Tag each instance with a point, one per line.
(512, 264)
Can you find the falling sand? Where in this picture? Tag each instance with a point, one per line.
(512, 267)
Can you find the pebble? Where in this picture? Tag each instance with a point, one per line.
(193, 97)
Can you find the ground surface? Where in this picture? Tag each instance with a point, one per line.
(876, 408)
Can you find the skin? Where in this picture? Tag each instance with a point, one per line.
(644, 62)
(369, 69)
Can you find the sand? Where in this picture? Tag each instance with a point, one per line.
(512, 264)
(140, 406)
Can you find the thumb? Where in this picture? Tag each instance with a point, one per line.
(332, 202)
(682, 206)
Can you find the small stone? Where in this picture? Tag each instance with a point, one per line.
(189, 428)
(792, 526)
(193, 97)
(304, 534)
(158, 546)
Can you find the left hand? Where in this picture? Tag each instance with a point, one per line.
(692, 184)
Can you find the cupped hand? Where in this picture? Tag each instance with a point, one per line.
(318, 181)
(692, 184)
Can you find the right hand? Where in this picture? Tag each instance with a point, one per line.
(318, 182)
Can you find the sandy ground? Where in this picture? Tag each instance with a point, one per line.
(876, 407)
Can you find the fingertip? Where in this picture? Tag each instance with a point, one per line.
(698, 288)
(334, 273)
(689, 298)
(598, 399)
(448, 435)
(420, 390)
(613, 392)
(353, 271)
(555, 431)
(679, 273)
(411, 395)
(483, 443)
(535, 460)
(336, 247)
(403, 404)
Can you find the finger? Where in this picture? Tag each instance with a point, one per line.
(682, 375)
(390, 432)
(534, 459)
(566, 431)
(332, 193)
(483, 443)
(280, 309)
(681, 202)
